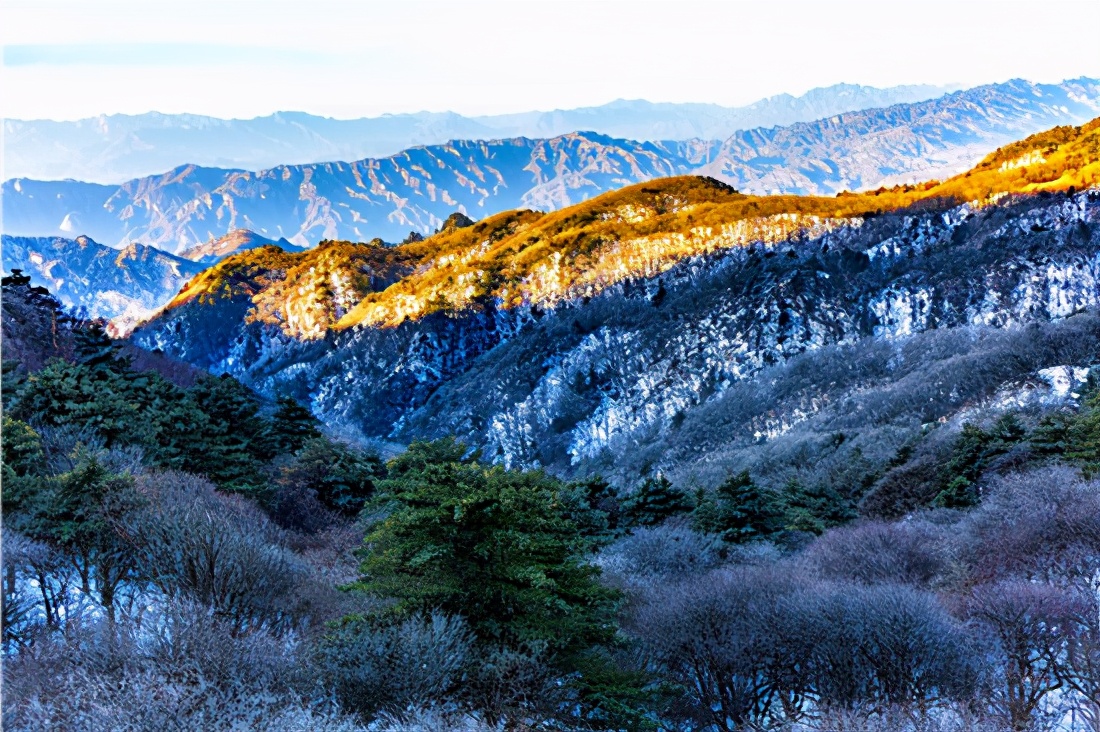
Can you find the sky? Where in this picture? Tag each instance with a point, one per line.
(68, 59)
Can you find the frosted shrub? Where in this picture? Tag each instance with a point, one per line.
(396, 667)
(180, 669)
(650, 553)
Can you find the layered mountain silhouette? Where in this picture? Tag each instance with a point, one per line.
(240, 240)
(115, 148)
(417, 189)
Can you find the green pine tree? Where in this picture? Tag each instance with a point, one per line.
(342, 477)
(292, 425)
(740, 511)
(594, 506)
(971, 455)
(814, 508)
(655, 501)
(497, 548)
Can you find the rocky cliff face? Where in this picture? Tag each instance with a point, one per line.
(417, 189)
(126, 284)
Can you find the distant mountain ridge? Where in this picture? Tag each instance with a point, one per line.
(417, 189)
(239, 240)
(116, 148)
(124, 285)
(109, 283)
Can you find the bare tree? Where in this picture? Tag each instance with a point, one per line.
(223, 552)
(1029, 626)
(1042, 524)
(913, 552)
(889, 647)
(734, 640)
(396, 667)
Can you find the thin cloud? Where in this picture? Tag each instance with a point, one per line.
(154, 54)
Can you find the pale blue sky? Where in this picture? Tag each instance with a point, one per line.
(76, 58)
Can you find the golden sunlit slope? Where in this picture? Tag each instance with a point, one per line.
(524, 257)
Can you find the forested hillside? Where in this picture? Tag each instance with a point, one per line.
(586, 339)
(677, 458)
(180, 553)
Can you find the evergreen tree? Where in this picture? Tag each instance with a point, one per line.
(592, 504)
(12, 379)
(655, 501)
(1082, 439)
(87, 397)
(971, 455)
(491, 545)
(93, 347)
(740, 511)
(22, 465)
(342, 477)
(814, 508)
(497, 548)
(292, 425)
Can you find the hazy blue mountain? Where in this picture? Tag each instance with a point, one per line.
(417, 189)
(637, 119)
(106, 282)
(115, 148)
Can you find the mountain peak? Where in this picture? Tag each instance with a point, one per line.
(237, 240)
(455, 221)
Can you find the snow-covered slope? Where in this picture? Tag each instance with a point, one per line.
(595, 337)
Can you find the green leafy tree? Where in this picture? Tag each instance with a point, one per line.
(66, 393)
(291, 426)
(342, 477)
(77, 510)
(93, 347)
(491, 545)
(971, 455)
(1082, 439)
(22, 467)
(593, 505)
(655, 501)
(12, 379)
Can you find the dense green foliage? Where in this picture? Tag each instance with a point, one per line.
(498, 548)
(491, 545)
(214, 428)
(655, 501)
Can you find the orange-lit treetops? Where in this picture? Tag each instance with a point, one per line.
(530, 258)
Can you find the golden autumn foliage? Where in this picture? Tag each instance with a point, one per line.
(530, 258)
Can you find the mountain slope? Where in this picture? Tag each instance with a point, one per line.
(120, 147)
(593, 337)
(418, 188)
(236, 241)
(107, 282)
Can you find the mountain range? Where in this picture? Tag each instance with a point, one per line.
(680, 326)
(417, 189)
(116, 148)
(125, 284)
